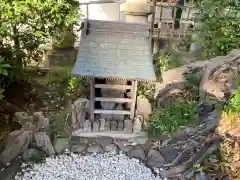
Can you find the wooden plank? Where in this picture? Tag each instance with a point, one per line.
(99, 111)
(119, 100)
(92, 99)
(134, 94)
(112, 86)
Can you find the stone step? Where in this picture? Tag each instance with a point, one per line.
(112, 134)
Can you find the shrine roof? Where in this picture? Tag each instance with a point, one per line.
(115, 50)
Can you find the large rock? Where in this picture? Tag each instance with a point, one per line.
(42, 123)
(16, 143)
(36, 123)
(43, 142)
(61, 144)
(78, 148)
(221, 70)
(144, 107)
(94, 148)
(25, 120)
(155, 159)
(79, 111)
(173, 82)
(137, 152)
(104, 140)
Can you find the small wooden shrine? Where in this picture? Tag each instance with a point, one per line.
(115, 55)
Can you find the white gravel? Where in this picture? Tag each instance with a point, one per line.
(108, 166)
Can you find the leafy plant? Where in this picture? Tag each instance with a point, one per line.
(1, 93)
(171, 119)
(146, 89)
(234, 103)
(26, 24)
(58, 123)
(78, 86)
(4, 67)
(218, 26)
(165, 62)
(192, 85)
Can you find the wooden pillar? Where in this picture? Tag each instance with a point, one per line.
(134, 95)
(92, 99)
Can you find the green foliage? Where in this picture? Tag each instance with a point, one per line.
(167, 61)
(146, 89)
(192, 85)
(78, 86)
(3, 67)
(72, 86)
(233, 106)
(1, 93)
(58, 123)
(218, 26)
(171, 119)
(26, 24)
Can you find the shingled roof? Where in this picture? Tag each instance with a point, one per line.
(115, 50)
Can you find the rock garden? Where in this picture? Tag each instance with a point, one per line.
(187, 121)
(188, 132)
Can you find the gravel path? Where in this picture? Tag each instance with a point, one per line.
(106, 166)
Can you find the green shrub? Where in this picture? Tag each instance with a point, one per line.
(164, 122)
(146, 90)
(218, 26)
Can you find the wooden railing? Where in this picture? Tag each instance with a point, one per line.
(177, 24)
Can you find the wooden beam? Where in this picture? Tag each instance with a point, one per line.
(112, 86)
(92, 98)
(99, 111)
(152, 23)
(134, 95)
(119, 100)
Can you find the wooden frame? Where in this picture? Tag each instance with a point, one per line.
(131, 100)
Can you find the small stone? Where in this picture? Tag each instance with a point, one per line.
(113, 125)
(123, 146)
(61, 144)
(94, 148)
(77, 140)
(87, 126)
(79, 148)
(169, 153)
(79, 111)
(120, 126)
(202, 176)
(32, 155)
(137, 125)
(104, 140)
(128, 125)
(139, 139)
(107, 125)
(111, 148)
(102, 124)
(137, 152)
(155, 159)
(96, 125)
